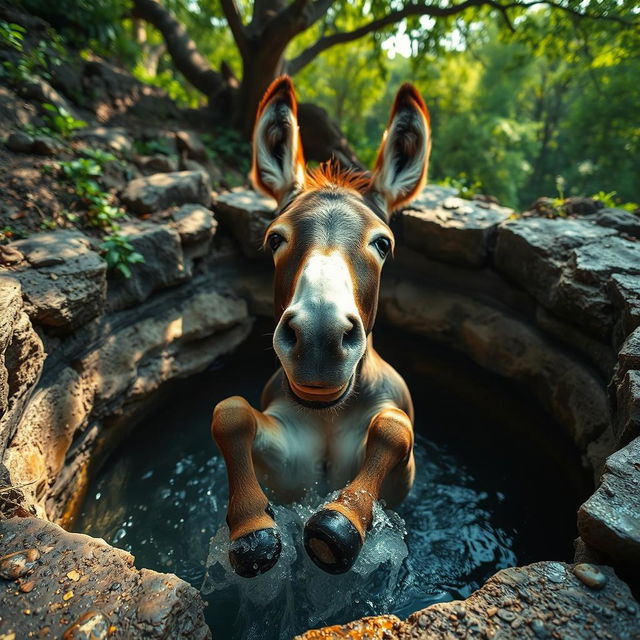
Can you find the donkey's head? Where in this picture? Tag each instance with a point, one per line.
(330, 238)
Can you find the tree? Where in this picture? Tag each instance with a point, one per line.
(264, 31)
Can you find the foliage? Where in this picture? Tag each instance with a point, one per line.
(228, 145)
(28, 64)
(97, 23)
(151, 147)
(61, 121)
(82, 174)
(11, 35)
(120, 254)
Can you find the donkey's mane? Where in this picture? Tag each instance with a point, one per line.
(330, 175)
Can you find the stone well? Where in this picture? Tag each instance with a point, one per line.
(551, 303)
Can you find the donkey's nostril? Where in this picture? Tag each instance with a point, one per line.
(352, 336)
(288, 334)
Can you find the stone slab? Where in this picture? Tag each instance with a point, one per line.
(66, 286)
(68, 585)
(545, 600)
(609, 521)
(163, 190)
(246, 214)
(448, 228)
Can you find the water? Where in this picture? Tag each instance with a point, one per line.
(485, 497)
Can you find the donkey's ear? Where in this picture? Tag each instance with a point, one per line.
(278, 163)
(401, 166)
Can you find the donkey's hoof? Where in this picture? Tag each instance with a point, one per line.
(331, 541)
(255, 552)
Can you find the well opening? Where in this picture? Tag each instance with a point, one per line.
(498, 485)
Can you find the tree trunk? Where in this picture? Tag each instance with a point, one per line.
(260, 68)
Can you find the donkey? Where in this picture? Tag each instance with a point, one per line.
(335, 415)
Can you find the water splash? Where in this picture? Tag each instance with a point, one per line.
(296, 594)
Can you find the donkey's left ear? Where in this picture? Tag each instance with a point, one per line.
(401, 165)
(278, 163)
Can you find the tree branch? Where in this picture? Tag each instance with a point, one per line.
(325, 42)
(180, 46)
(234, 21)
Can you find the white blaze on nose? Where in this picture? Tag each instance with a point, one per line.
(325, 280)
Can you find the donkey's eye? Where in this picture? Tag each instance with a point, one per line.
(274, 241)
(382, 245)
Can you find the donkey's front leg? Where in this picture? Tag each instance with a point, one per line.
(334, 536)
(255, 542)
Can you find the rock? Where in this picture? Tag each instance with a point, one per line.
(590, 575)
(17, 564)
(623, 221)
(246, 214)
(163, 265)
(20, 142)
(191, 145)
(67, 286)
(40, 91)
(581, 293)
(158, 163)
(533, 251)
(542, 600)
(162, 190)
(93, 625)
(372, 628)
(625, 293)
(115, 138)
(21, 357)
(118, 363)
(451, 229)
(581, 206)
(47, 146)
(609, 521)
(52, 247)
(627, 422)
(9, 255)
(196, 226)
(147, 605)
(15, 112)
(506, 345)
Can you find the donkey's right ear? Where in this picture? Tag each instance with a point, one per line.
(278, 166)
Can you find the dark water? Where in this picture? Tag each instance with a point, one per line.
(486, 496)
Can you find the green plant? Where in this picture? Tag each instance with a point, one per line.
(228, 145)
(120, 254)
(151, 147)
(48, 223)
(29, 64)
(61, 121)
(82, 173)
(99, 156)
(465, 187)
(609, 200)
(11, 35)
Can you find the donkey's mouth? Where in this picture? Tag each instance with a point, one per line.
(317, 394)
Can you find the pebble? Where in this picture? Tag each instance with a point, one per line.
(15, 565)
(46, 146)
(423, 621)
(537, 626)
(507, 616)
(19, 142)
(93, 625)
(590, 575)
(10, 255)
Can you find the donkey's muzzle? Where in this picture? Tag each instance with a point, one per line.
(319, 350)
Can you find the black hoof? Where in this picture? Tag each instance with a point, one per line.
(255, 553)
(331, 541)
